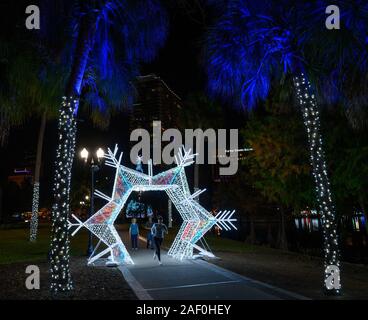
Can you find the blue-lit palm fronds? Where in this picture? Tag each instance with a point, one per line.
(254, 43)
(343, 54)
(138, 27)
(129, 33)
(251, 43)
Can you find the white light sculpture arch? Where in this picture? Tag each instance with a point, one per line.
(196, 220)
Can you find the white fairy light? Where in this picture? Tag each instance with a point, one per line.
(322, 185)
(34, 217)
(59, 252)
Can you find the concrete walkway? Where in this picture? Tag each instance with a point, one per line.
(194, 280)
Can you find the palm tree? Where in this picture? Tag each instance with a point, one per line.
(111, 35)
(257, 44)
(22, 99)
(12, 112)
(48, 82)
(100, 100)
(36, 84)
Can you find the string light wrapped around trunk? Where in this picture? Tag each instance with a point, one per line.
(307, 101)
(34, 217)
(60, 243)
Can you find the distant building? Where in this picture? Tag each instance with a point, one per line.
(21, 176)
(241, 154)
(23, 170)
(155, 101)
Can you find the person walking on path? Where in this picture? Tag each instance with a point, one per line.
(149, 239)
(134, 232)
(158, 231)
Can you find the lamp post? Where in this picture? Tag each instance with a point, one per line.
(94, 168)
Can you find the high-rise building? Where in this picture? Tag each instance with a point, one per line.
(155, 101)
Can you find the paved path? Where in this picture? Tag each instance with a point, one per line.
(194, 280)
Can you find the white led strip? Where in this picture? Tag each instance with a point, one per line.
(196, 220)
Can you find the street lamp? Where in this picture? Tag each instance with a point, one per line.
(84, 154)
(100, 153)
(94, 167)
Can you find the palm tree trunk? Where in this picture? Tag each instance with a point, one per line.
(60, 244)
(308, 104)
(36, 184)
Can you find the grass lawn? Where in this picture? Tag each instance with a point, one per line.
(292, 271)
(15, 245)
(216, 243)
(90, 283)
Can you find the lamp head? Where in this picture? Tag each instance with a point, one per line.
(84, 154)
(100, 154)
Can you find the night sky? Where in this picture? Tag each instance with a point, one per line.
(178, 63)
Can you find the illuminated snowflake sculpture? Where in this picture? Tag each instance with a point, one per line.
(196, 220)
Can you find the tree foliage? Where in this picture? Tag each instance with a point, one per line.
(279, 164)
